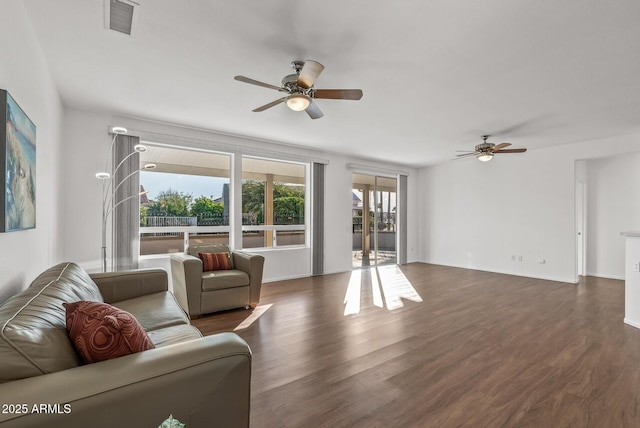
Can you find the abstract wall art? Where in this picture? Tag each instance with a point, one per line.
(17, 166)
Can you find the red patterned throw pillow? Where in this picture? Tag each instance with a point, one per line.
(215, 261)
(101, 332)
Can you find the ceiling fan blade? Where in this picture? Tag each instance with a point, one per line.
(257, 83)
(313, 111)
(467, 154)
(511, 151)
(309, 73)
(271, 104)
(500, 146)
(338, 94)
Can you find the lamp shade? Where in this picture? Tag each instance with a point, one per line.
(118, 130)
(298, 102)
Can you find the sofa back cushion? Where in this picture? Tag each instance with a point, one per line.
(33, 333)
(193, 250)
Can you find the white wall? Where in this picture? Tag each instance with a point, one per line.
(85, 147)
(479, 215)
(25, 74)
(86, 144)
(613, 187)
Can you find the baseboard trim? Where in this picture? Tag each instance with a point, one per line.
(598, 275)
(543, 277)
(284, 278)
(631, 323)
(502, 272)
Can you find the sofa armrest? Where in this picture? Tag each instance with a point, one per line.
(253, 265)
(186, 274)
(124, 285)
(198, 381)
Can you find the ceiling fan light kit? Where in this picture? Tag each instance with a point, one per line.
(484, 152)
(300, 88)
(298, 102)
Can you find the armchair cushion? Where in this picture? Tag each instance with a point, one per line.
(101, 332)
(215, 261)
(219, 280)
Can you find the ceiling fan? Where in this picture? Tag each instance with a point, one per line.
(300, 91)
(485, 151)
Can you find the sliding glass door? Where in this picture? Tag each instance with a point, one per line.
(374, 200)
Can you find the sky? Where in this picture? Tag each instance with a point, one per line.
(385, 200)
(156, 182)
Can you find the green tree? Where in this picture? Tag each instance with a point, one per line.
(170, 203)
(207, 211)
(143, 216)
(288, 210)
(291, 197)
(203, 205)
(281, 190)
(252, 196)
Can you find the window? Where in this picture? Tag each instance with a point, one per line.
(273, 203)
(185, 199)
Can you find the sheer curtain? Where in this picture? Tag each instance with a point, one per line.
(126, 212)
(402, 220)
(317, 218)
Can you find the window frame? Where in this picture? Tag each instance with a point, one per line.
(186, 231)
(289, 227)
(235, 229)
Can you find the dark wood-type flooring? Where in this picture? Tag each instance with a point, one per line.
(480, 350)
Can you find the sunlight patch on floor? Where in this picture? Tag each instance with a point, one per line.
(352, 297)
(257, 313)
(375, 288)
(388, 284)
(396, 287)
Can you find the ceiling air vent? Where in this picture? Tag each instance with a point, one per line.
(120, 15)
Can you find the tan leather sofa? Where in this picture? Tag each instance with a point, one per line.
(201, 381)
(200, 292)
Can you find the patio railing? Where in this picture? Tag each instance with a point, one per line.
(161, 235)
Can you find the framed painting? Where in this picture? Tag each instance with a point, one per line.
(17, 166)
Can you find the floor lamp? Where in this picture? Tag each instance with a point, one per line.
(109, 203)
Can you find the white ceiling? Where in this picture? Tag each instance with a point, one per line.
(436, 75)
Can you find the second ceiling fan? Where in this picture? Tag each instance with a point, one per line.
(300, 91)
(485, 151)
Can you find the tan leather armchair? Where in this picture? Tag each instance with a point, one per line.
(200, 292)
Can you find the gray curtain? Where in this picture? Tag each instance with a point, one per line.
(317, 218)
(402, 223)
(126, 215)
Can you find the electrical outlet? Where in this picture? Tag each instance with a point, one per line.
(519, 258)
(636, 267)
(513, 258)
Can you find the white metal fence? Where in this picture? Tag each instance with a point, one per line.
(158, 221)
